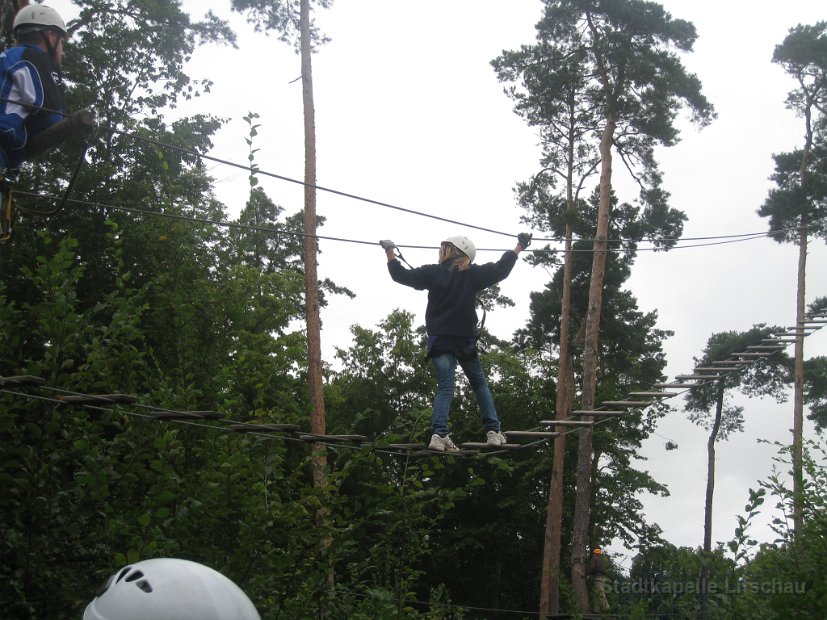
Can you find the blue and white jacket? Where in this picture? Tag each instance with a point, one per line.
(29, 79)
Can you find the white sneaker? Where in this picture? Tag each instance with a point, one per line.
(495, 438)
(442, 444)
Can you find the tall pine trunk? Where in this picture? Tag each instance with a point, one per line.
(798, 386)
(311, 281)
(550, 580)
(580, 529)
(798, 365)
(550, 576)
(710, 491)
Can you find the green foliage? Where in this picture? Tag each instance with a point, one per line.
(815, 390)
(815, 377)
(282, 17)
(254, 169)
(800, 198)
(767, 376)
(741, 544)
(783, 579)
(803, 55)
(594, 61)
(177, 313)
(665, 581)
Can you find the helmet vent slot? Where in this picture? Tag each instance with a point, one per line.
(143, 584)
(123, 573)
(134, 576)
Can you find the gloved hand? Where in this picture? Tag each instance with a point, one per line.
(83, 118)
(387, 244)
(524, 239)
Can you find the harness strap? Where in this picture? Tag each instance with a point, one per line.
(480, 346)
(402, 258)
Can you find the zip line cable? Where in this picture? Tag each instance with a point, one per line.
(226, 162)
(728, 239)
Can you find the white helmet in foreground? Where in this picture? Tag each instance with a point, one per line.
(464, 245)
(170, 589)
(34, 17)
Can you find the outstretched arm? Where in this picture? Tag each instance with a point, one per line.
(79, 122)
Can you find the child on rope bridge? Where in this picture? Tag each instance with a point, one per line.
(451, 319)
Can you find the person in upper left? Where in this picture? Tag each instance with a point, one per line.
(31, 84)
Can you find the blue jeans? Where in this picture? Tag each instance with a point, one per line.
(445, 365)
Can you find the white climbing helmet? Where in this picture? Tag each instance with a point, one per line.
(170, 589)
(464, 245)
(35, 17)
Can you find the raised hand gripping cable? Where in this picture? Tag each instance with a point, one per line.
(388, 244)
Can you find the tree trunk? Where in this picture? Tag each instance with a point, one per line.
(550, 581)
(550, 578)
(579, 542)
(710, 490)
(311, 278)
(798, 389)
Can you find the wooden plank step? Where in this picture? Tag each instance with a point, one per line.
(565, 423)
(530, 434)
(717, 368)
(751, 354)
(477, 446)
(676, 386)
(95, 399)
(697, 377)
(627, 403)
(788, 340)
(421, 449)
(599, 412)
(22, 380)
(734, 362)
(652, 394)
(766, 347)
(461, 453)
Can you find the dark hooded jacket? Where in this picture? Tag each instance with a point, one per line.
(452, 294)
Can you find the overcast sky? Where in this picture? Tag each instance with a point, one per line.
(409, 112)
